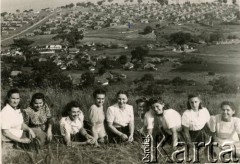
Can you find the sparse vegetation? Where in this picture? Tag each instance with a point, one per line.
(226, 85)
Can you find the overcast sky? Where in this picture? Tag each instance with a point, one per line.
(12, 5)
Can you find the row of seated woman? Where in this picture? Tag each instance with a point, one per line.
(35, 123)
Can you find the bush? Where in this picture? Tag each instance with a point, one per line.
(180, 38)
(226, 85)
(211, 73)
(153, 89)
(216, 36)
(193, 60)
(232, 37)
(147, 30)
(147, 77)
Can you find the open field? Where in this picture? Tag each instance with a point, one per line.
(210, 67)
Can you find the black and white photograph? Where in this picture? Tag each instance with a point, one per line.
(120, 81)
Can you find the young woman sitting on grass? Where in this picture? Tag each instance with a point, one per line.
(142, 108)
(161, 119)
(195, 120)
(12, 124)
(226, 127)
(71, 125)
(39, 118)
(120, 119)
(96, 117)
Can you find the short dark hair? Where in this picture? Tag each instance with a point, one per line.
(159, 100)
(122, 92)
(142, 99)
(190, 96)
(37, 96)
(9, 94)
(69, 106)
(98, 91)
(229, 103)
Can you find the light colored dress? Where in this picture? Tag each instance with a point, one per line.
(11, 120)
(226, 132)
(96, 116)
(195, 120)
(171, 119)
(68, 127)
(120, 117)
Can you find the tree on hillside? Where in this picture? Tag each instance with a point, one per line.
(205, 36)
(122, 59)
(180, 38)
(90, 4)
(139, 1)
(88, 79)
(138, 54)
(102, 70)
(216, 36)
(72, 37)
(4, 13)
(147, 30)
(161, 2)
(71, 5)
(48, 74)
(24, 46)
(110, 1)
(100, 3)
(147, 77)
(131, 1)
(18, 11)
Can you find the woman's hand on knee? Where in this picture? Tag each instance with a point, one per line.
(31, 133)
(130, 138)
(25, 140)
(124, 137)
(49, 135)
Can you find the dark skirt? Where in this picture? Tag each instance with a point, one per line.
(198, 136)
(114, 138)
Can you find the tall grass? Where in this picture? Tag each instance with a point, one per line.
(59, 153)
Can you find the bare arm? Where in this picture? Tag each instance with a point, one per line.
(67, 139)
(174, 136)
(49, 130)
(114, 130)
(12, 137)
(26, 128)
(187, 135)
(95, 133)
(150, 131)
(131, 130)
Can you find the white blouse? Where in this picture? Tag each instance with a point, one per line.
(195, 120)
(12, 120)
(120, 117)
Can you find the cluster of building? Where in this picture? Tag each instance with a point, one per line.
(114, 15)
(13, 21)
